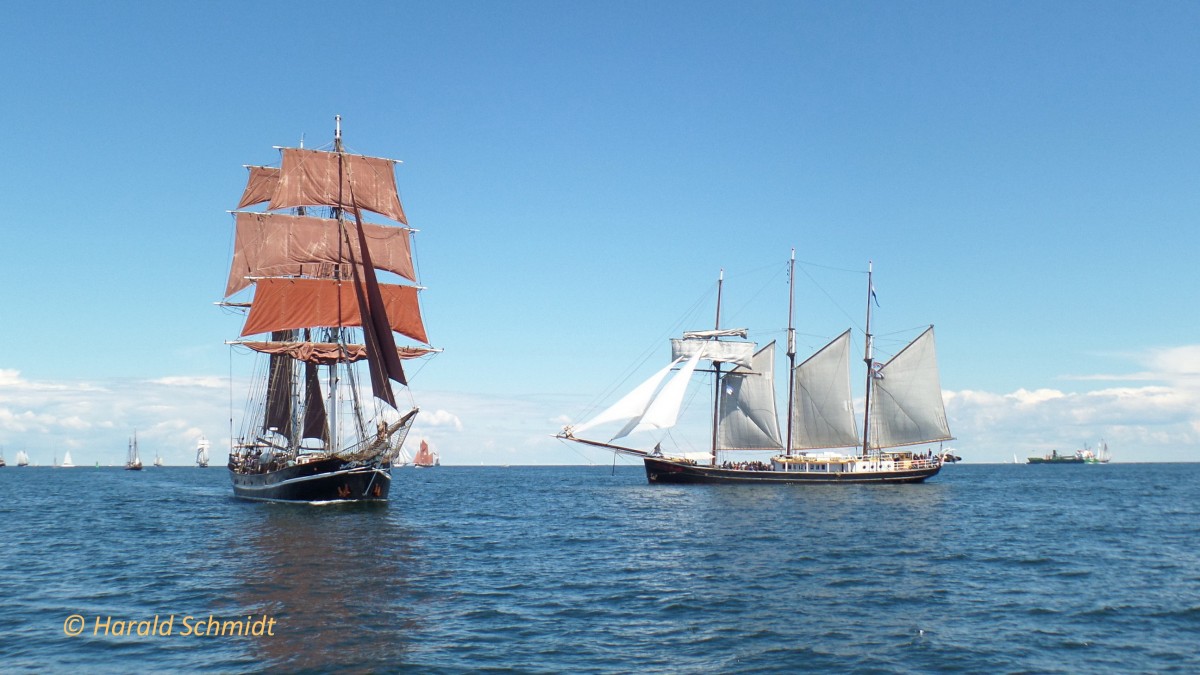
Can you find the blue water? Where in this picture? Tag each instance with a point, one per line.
(1002, 568)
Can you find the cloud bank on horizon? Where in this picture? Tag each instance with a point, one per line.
(1154, 417)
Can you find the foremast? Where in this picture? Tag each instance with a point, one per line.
(869, 359)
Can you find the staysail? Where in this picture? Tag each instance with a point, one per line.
(663, 411)
(747, 417)
(632, 405)
(907, 406)
(822, 405)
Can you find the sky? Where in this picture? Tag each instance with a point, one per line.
(1025, 176)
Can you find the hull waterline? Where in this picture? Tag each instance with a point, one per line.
(327, 480)
(662, 471)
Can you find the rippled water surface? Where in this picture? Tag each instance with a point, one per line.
(1002, 568)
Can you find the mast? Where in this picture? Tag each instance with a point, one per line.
(791, 347)
(717, 367)
(869, 359)
(337, 331)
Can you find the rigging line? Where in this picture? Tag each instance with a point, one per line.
(828, 267)
(841, 309)
(642, 358)
(770, 280)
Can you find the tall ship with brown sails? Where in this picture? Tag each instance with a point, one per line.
(323, 418)
(903, 403)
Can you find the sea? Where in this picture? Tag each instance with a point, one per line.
(589, 569)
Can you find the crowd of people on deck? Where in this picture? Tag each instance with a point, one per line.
(748, 466)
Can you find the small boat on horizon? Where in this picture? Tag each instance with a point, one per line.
(67, 463)
(133, 461)
(22, 458)
(904, 407)
(1084, 456)
(202, 452)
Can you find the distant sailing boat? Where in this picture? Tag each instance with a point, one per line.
(426, 458)
(133, 461)
(202, 453)
(903, 401)
(67, 463)
(157, 460)
(2, 462)
(22, 458)
(312, 434)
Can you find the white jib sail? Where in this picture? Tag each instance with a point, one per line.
(906, 405)
(822, 405)
(748, 419)
(663, 411)
(632, 405)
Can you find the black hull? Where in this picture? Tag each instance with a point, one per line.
(326, 480)
(662, 471)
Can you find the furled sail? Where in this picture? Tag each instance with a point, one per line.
(747, 418)
(740, 353)
(906, 404)
(274, 244)
(327, 353)
(282, 304)
(632, 405)
(663, 411)
(822, 405)
(318, 178)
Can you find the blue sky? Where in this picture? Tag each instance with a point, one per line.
(1024, 175)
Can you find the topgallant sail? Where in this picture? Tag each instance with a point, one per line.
(822, 443)
(322, 419)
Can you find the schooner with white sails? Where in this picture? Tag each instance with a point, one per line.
(322, 419)
(820, 442)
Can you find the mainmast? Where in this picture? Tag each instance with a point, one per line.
(791, 347)
(338, 338)
(717, 367)
(870, 361)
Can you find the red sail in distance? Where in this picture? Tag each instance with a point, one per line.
(424, 456)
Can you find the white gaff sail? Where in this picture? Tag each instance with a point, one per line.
(822, 406)
(907, 406)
